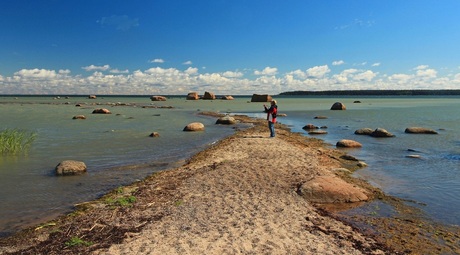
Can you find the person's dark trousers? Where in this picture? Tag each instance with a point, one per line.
(271, 126)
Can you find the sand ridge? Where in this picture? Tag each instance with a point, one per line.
(241, 199)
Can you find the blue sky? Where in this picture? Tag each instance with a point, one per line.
(227, 46)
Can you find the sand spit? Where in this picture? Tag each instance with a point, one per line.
(237, 197)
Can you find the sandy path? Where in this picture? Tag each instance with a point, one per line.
(241, 199)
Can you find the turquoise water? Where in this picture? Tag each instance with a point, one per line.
(117, 150)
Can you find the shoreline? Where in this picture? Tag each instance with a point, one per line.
(166, 198)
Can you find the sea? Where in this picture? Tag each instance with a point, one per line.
(118, 150)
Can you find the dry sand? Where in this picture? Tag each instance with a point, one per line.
(238, 197)
(241, 199)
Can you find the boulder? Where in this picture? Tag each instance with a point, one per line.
(261, 98)
(357, 102)
(380, 132)
(102, 111)
(158, 98)
(317, 132)
(331, 189)
(194, 126)
(309, 127)
(361, 164)
(209, 96)
(338, 106)
(92, 96)
(420, 130)
(348, 144)
(321, 117)
(364, 131)
(154, 134)
(226, 120)
(79, 117)
(70, 167)
(227, 98)
(193, 96)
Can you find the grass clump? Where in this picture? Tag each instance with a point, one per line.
(121, 201)
(75, 241)
(15, 141)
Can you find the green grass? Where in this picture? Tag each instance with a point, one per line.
(15, 141)
(74, 241)
(121, 201)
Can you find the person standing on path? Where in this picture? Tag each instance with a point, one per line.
(271, 117)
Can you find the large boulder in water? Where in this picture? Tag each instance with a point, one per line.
(227, 98)
(309, 127)
(364, 131)
(331, 189)
(226, 120)
(345, 143)
(338, 106)
(209, 96)
(70, 167)
(420, 130)
(381, 132)
(193, 96)
(261, 98)
(194, 126)
(102, 111)
(158, 98)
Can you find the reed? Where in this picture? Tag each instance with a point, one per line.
(15, 141)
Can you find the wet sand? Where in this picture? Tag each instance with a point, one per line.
(238, 197)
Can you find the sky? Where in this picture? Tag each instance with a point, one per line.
(227, 47)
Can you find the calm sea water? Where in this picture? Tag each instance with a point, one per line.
(117, 150)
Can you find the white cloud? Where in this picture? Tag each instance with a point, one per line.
(421, 67)
(187, 63)
(191, 70)
(36, 73)
(318, 71)
(365, 76)
(376, 64)
(122, 22)
(157, 60)
(338, 62)
(267, 71)
(400, 78)
(230, 74)
(425, 72)
(96, 68)
(116, 71)
(159, 80)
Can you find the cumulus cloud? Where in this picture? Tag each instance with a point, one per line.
(123, 22)
(230, 74)
(338, 62)
(159, 80)
(423, 71)
(318, 71)
(400, 78)
(96, 68)
(119, 71)
(376, 64)
(267, 71)
(157, 60)
(36, 73)
(365, 76)
(187, 62)
(191, 70)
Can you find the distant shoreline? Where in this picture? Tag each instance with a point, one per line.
(453, 92)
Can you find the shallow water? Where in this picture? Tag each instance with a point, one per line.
(117, 150)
